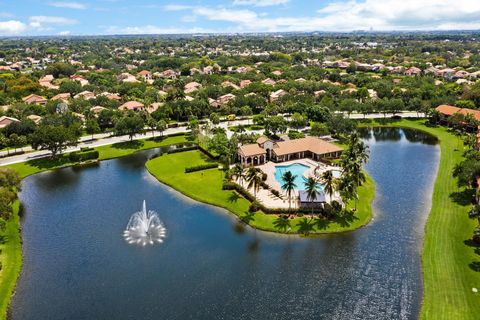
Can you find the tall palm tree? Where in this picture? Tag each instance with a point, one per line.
(311, 188)
(239, 172)
(329, 183)
(289, 185)
(254, 179)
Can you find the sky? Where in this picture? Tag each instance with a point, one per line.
(105, 17)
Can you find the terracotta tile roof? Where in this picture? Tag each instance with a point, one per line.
(312, 144)
(447, 110)
(475, 113)
(249, 150)
(131, 105)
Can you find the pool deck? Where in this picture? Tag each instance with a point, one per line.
(271, 201)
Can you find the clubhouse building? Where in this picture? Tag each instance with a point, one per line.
(279, 151)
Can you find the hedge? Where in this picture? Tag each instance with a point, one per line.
(182, 149)
(83, 156)
(201, 167)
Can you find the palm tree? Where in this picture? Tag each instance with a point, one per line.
(311, 188)
(254, 179)
(239, 172)
(289, 185)
(329, 183)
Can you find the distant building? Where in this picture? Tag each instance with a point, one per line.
(5, 121)
(132, 105)
(35, 99)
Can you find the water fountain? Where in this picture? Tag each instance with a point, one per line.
(144, 227)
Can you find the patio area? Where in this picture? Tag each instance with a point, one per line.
(268, 199)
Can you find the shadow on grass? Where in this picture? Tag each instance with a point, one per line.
(3, 239)
(48, 163)
(135, 144)
(233, 197)
(475, 266)
(322, 224)
(346, 219)
(305, 226)
(282, 223)
(248, 217)
(464, 197)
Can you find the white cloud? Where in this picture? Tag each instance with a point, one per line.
(176, 7)
(12, 27)
(40, 21)
(151, 29)
(64, 33)
(68, 5)
(384, 15)
(260, 3)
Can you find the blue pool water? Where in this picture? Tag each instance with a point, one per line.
(297, 169)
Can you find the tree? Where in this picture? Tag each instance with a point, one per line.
(161, 126)
(318, 129)
(194, 127)
(298, 121)
(289, 185)
(92, 127)
(10, 184)
(55, 138)
(214, 118)
(254, 179)
(129, 125)
(276, 124)
(311, 188)
(329, 183)
(239, 172)
(15, 141)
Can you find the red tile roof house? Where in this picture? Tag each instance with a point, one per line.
(448, 111)
(132, 105)
(279, 151)
(5, 121)
(413, 71)
(145, 75)
(35, 99)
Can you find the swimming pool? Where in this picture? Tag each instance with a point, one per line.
(297, 170)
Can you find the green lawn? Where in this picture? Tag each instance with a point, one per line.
(448, 257)
(11, 259)
(105, 152)
(206, 186)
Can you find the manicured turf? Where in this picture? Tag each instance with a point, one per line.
(206, 186)
(448, 257)
(105, 152)
(11, 259)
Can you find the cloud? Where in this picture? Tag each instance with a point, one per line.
(64, 33)
(151, 29)
(176, 7)
(259, 3)
(68, 5)
(42, 23)
(379, 15)
(12, 27)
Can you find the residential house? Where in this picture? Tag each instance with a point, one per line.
(278, 151)
(5, 121)
(132, 105)
(86, 95)
(35, 99)
(62, 97)
(274, 96)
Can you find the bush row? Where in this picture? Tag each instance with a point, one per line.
(201, 167)
(182, 149)
(77, 156)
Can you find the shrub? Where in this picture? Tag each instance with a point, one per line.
(264, 177)
(293, 134)
(201, 167)
(83, 156)
(254, 207)
(177, 150)
(85, 149)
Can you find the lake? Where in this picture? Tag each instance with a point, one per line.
(78, 266)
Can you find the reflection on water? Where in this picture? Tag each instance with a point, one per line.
(210, 266)
(396, 134)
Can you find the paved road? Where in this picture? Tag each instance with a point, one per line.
(106, 139)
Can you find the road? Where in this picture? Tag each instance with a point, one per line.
(106, 139)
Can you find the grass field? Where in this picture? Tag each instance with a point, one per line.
(105, 152)
(206, 186)
(449, 259)
(11, 259)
